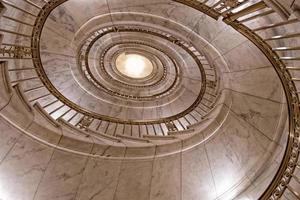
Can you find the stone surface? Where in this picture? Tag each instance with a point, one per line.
(232, 153)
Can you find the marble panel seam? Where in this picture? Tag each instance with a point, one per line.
(152, 170)
(216, 36)
(251, 95)
(10, 149)
(228, 51)
(210, 169)
(42, 177)
(81, 176)
(262, 133)
(10, 98)
(244, 70)
(62, 36)
(119, 175)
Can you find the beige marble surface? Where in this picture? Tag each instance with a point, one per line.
(22, 169)
(242, 146)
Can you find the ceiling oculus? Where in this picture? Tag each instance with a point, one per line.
(134, 65)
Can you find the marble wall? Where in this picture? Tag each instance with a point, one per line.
(237, 159)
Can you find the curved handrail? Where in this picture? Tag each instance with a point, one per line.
(289, 162)
(288, 165)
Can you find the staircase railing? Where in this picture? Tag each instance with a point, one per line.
(239, 14)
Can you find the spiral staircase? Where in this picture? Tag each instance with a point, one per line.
(216, 116)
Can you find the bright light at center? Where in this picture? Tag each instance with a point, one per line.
(134, 65)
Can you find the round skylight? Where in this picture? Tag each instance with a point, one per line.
(134, 65)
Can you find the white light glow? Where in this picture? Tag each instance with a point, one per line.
(134, 65)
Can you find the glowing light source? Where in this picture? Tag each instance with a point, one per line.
(134, 65)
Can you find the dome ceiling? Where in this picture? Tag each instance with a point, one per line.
(191, 80)
(177, 85)
(156, 80)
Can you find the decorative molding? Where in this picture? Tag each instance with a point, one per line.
(21, 96)
(15, 52)
(6, 79)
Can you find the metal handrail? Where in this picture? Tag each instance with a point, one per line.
(283, 176)
(289, 162)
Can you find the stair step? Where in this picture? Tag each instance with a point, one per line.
(40, 109)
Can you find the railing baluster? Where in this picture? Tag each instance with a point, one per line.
(106, 128)
(123, 131)
(250, 9)
(289, 58)
(293, 192)
(56, 109)
(205, 111)
(73, 117)
(139, 129)
(50, 103)
(276, 25)
(183, 127)
(77, 123)
(257, 16)
(191, 114)
(217, 3)
(198, 112)
(296, 178)
(205, 105)
(65, 113)
(154, 129)
(285, 48)
(115, 129)
(278, 37)
(147, 130)
(100, 122)
(293, 68)
(131, 131)
(162, 130)
(186, 119)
